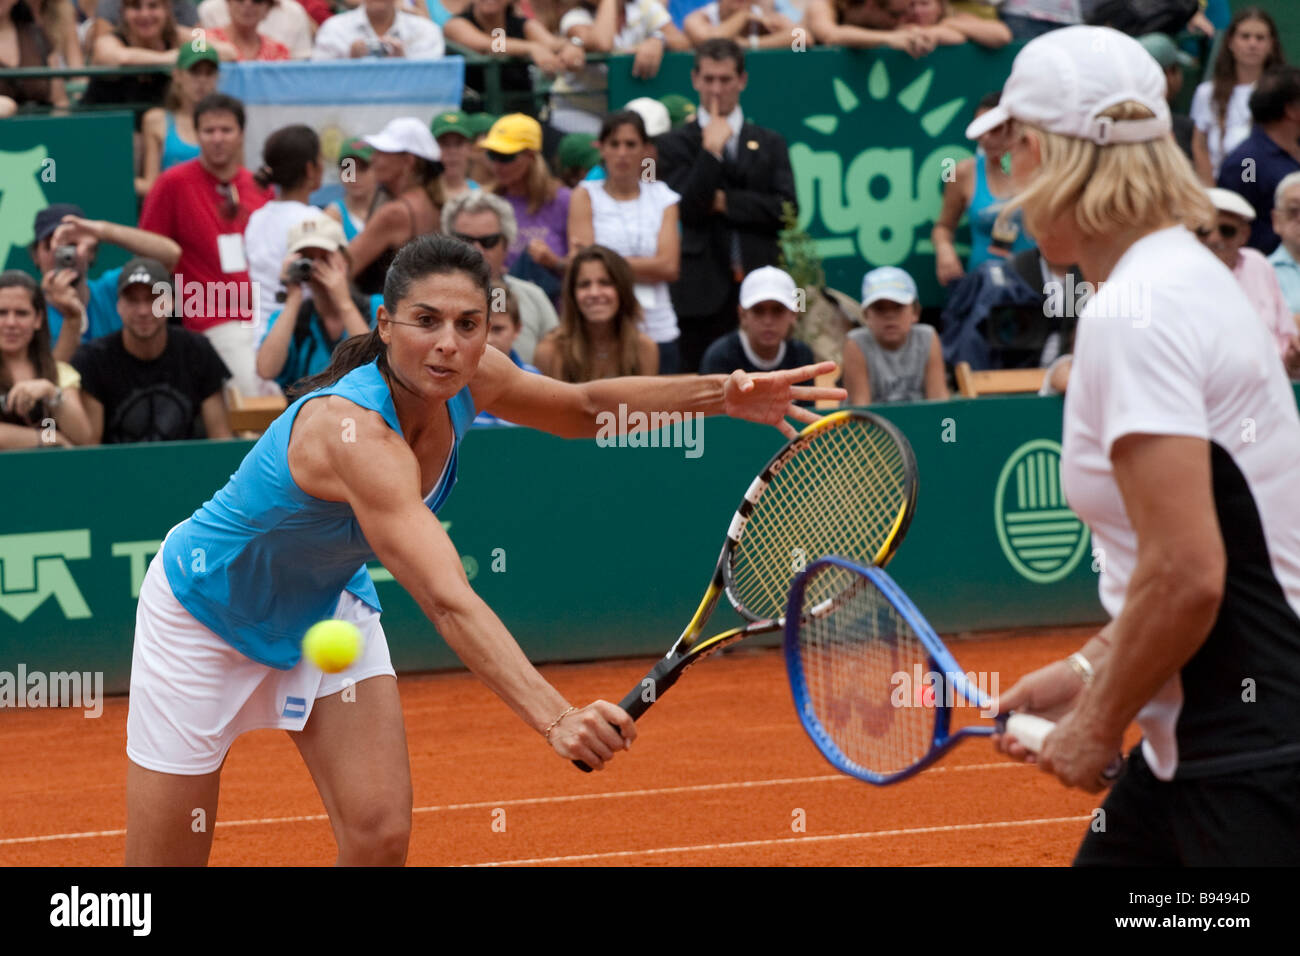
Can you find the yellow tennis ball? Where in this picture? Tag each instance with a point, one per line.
(332, 645)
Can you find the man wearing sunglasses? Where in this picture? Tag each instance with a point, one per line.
(486, 221)
(1226, 238)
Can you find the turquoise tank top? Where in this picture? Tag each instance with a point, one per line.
(350, 229)
(262, 561)
(175, 149)
(984, 209)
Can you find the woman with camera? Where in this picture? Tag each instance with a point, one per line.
(303, 335)
(40, 399)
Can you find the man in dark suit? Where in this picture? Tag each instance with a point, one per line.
(733, 178)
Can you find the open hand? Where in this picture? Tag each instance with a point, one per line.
(769, 397)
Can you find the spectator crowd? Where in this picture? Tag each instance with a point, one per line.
(639, 241)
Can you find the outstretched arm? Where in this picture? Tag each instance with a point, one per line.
(582, 411)
(379, 477)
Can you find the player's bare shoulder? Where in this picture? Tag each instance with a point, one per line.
(492, 377)
(333, 434)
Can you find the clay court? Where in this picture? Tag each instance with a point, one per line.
(716, 778)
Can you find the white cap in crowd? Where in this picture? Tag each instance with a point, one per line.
(653, 113)
(888, 282)
(1064, 80)
(316, 232)
(769, 284)
(406, 135)
(1225, 200)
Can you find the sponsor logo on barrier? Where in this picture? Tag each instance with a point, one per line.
(872, 201)
(1041, 537)
(34, 568)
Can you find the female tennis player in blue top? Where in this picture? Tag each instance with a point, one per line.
(352, 470)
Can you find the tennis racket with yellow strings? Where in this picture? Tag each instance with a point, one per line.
(844, 485)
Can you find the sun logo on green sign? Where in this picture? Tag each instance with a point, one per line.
(1041, 537)
(874, 201)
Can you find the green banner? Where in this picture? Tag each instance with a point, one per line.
(584, 551)
(84, 159)
(872, 135)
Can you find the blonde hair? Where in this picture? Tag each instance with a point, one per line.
(541, 187)
(1104, 189)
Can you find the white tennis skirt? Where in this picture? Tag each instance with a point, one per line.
(192, 693)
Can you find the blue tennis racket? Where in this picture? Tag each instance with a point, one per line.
(853, 643)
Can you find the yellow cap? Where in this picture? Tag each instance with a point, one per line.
(514, 133)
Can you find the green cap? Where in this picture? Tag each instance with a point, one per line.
(577, 151)
(1160, 46)
(479, 123)
(357, 149)
(194, 52)
(680, 109)
(452, 122)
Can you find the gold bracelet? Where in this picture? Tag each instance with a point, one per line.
(1081, 666)
(557, 720)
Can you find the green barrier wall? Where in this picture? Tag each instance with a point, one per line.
(584, 551)
(83, 159)
(871, 134)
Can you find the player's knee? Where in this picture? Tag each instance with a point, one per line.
(378, 836)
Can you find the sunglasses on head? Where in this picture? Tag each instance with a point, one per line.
(1226, 229)
(487, 242)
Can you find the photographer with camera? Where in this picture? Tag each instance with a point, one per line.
(302, 336)
(378, 28)
(40, 402)
(150, 380)
(64, 250)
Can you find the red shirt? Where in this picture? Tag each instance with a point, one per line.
(187, 204)
(269, 50)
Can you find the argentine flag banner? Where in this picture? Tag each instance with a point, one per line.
(339, 99)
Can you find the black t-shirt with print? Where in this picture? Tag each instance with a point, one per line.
(157, 400)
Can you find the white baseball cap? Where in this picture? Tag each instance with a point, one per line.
(769, 284)
(653, 113)
(406, 135)
(1064, 80)
(888, 282)
(1225, 200)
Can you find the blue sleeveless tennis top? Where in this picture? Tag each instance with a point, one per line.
(262, 561)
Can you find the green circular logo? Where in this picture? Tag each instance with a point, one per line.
(1041, 537)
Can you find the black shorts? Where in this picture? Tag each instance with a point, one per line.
(1247, 818)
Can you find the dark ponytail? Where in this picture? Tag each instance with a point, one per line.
(427, 255)
(285, 157)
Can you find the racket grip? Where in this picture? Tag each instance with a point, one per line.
(1032, 732)
(636, 702)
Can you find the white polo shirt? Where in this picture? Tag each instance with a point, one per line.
(1170, 345)
(421, 38)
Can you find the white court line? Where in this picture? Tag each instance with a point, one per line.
(910, 831)
(526, 801)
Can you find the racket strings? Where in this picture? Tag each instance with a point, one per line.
(859, 661)
(840, 493)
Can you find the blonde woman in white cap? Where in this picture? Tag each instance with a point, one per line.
(407, 165)
(1195, 523)
(639, 221)
(1226, 236)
